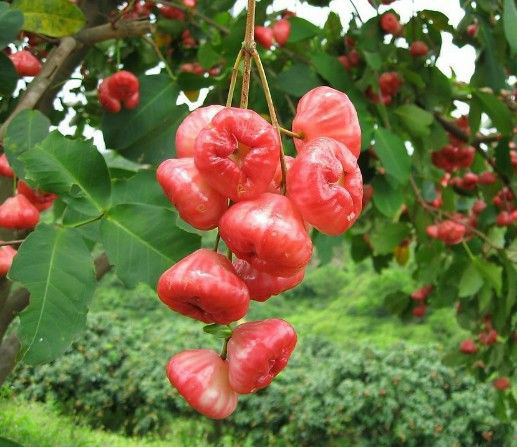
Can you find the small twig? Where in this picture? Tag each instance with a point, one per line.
(290, 133)
(160, 56)
(356, 10)
(233, 80)
(217, 239)
(15, 242)
(248, 47)
(196, 13)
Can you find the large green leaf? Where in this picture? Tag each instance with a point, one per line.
(8, 76)
(6, 443)
(28, 128)
(141, 189)
(470, 282)
(147, 132)
(55, 265)
(386, 236)
(74, 169)
(386, 199)
(497, 111)
(492, 273)
(301, 29)
(510, 23)
(56, 18)
(416, 120)
(393, 154)
(11, 21)
(329, 68)
(296, 80)
(142, 242)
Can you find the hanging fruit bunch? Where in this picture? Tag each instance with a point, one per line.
(231, 174)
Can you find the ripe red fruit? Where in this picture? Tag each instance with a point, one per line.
(171, 12)
(487, 178)
(419, 311)
(261, 285)
(189, 129)
(194, 68)
(18, 212)
(204, 286)
(238, 153)
(269, 233)
(343, 60)
(354, 57)
(469, 181)
(503, 219)
(201, 377)
(488, 337)
(390, 24)
(448, 231)
(257, 352)
(325, 112)
(452, 157)
(468, 346)
(7, 253)
(264, 36)
(281, 30)
(25, 63)
(326, 185)
(479, 206)
(276, 184)
(41, 200)
(422, 293)
(106, 100)
(389, 83)
(188, 40)
(5, 167)
(502, 383)
(376, 98)
(472, 30)
(121, 88)
(197, 203)
(418, 49)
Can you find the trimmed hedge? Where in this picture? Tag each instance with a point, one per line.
(114, 376)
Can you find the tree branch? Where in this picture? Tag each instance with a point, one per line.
(123, 29)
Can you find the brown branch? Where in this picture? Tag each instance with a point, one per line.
(16, 303)
(123, 29)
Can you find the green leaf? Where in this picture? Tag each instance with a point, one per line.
(218, 330)
(491, 272)
(301, 29)
(470, 282)
(8, 76)
(393, 154)
(119, 166)
(386, 236)
(28, 128)
(142, 242)
(141, 189)
(55, 18)
(147, 132)
(329, 68)
(296, 80)
(325, 246)
(207, 56)
(512, 252)
(415, 119)
(455, 359)
(74, 169)
(510, 24)
(386, 199)
(6, 443)
(396, 302)
(497, 111)
(373, 59)
(55, 265)
(11, 21)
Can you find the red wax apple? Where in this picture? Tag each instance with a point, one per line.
(257, 352)
(418, 49)
(468, 346)
(479, 206)
(238, 153)
(472, 30)
(264, 36)
(422, 293)
(281, 30)
(197, 203)
(502, 383)
(325, 184)
(25, 63)
(269, 233)
(189, 129)
(5, 167)
(201, 377)
(106, 100)
(325, 112)
(389, 83)
(124, 87)
(487, 178)
(419, 311)
(171, 12)
(390, 24)
(41, 200)
(18, 212)
(204, 286)
(450, 232)
(488, 337)
(261, 285)
(7, 253)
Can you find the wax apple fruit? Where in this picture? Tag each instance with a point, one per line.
(264, 36)
(18, 212)
(257, 352)
(468, 346)
(269, 233)
(25, 63)
(41, 200)
(390, 24)
(281, 31)
(201, 377)
(261, 285)
(450, 232)
(197, 202)
(189, 129)
(121, 88)
(238, 153)
(418, 49)
(5, 167)
(204, 286)
(325, 184)
(325, 112)
(7, 253)
(389, 83)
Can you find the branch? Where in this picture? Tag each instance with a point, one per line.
(18, 301)
(123, 29)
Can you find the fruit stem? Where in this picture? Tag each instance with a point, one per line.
(248, 48)
(272, 114)
(15, 242)
(217, 239)
(291, 134)
(160, 56)
(224, 351)
(233, 80)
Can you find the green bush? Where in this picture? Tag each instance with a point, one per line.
(114, 377)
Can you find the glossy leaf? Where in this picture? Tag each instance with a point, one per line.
(415, 119)
(54, 18)
(142, 242)
(386, 236)
(470, 282)
(296, 80)
(497, 111)
(8, 76)
(393, 154)
(301, 29)
(55, 265)
(510, 23)
(11, 21)
(386, 199)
